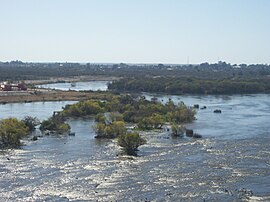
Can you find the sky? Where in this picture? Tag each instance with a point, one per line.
(135, 31)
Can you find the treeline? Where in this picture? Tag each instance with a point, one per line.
(17, 70)
(191, 85)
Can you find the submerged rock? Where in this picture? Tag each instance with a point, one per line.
(217, 111)
(196, 106)
(196, 135)
(189, 132)
(71, 134)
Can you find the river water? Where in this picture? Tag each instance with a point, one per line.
(230, 163)
(78, 86)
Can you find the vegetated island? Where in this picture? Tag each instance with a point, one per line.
(112, 116)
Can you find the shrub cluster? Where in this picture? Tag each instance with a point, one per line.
(11, 132)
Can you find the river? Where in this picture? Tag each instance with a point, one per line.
(230, 163)
(78, 86)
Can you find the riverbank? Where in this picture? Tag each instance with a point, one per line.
(71, 79)
(49, 95)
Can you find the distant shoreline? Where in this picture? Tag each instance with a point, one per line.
(71, 79)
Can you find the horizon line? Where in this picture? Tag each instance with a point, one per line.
(130, 63)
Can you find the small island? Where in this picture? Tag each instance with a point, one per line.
(112, 116)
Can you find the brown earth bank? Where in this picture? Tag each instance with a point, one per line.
(49, 95)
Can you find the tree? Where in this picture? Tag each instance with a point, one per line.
(83, 108)
(116, 116)
(130, 142)
(100, 118)
(157, 120)
(55, 123)
(177, 130)
(31, 122)
(12, 131)
(99, 128)
(112, 130)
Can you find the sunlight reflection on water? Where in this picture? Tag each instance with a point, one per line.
(233, 154)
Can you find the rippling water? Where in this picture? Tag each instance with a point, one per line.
(230, 163)
(79, 86)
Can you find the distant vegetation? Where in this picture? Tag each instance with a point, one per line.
(218, 78)
(191, 85)
(17, 70)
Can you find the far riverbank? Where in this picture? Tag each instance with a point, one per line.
(49, 95)
(70, 79)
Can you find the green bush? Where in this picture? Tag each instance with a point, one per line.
(83, 108)
(31, 122)
(112, 130)
(177, 130)
(12, 131)
(100, 118)
(130, 142)
(156, 121)
(55, 123)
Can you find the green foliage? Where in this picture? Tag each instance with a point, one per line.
(155, 121)
(83, 108)
(146, 114)
(182, 114)
(182, 85)
(130, 142)
(55, 123)
(26, 71)
(116, 116)
(12, 131)
(112, 114)
(177, 130)
(31, 122)
(100, 130)
(112, 130)
(63, 128)
(100, 118)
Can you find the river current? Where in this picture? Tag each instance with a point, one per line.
(230, 163)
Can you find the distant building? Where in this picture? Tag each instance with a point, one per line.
(5, 86)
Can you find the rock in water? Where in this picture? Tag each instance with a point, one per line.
(217, 111)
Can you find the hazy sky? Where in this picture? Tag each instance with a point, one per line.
(135, 31)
